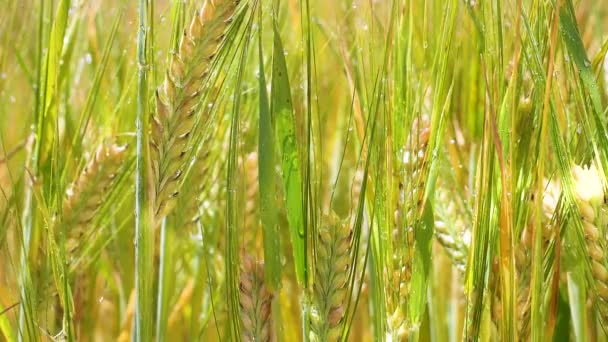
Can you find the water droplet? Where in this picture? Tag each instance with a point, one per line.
(88, 58)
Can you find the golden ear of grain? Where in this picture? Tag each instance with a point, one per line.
(202, 175)
(590, 196)
(255, 302)
(178, 98)
(86, 195)
(330, 287)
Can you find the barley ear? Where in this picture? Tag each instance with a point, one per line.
(590, 197)
(86, 195)
(454, 245)
(408, 208)
(201, 176)
(330, 286)
(523, 254)
(255, 302)
(177, 100)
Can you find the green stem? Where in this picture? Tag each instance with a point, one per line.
(161, 322)
(143, 228)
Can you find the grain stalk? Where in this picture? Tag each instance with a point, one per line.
(255, 303)
(330, 286)
(177, 101)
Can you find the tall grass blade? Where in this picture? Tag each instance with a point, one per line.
(281, 108)
(267, 176)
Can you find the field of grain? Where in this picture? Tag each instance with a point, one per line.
(303, 170)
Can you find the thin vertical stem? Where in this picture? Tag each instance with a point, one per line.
(143, 236)
(160, 298)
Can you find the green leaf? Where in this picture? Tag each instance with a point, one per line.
(268, 208)
(577, 297)
(282, 112)
(562, 327)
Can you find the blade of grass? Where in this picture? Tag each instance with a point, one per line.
(267, 185)
(282, 112)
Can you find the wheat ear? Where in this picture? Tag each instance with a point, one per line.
(178, 99)
(330, 284)
(410, 195)
(86, 195)
(590, 197)
(523, 257)
(454, 245)
(201, 175)
(452, 228)
(255, 302)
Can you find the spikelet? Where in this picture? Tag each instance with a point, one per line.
(452, 227)
(177, 100)
(86, 195)
(590, 197)
(410, 197)
(255, 302)
(454, 244)
(330, 286)
(201, 181)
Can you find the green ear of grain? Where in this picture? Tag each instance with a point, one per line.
(282, 112)
(268, 211)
